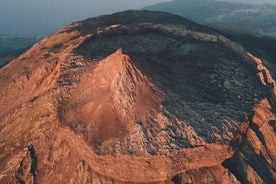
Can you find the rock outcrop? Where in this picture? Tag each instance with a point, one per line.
(137, 97)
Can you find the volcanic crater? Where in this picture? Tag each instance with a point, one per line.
(137, 97)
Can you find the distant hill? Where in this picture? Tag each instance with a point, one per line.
(12, 46)
(252, 24)
(273, 2)
(257, 19)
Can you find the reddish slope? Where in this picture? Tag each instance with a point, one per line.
(41, 143)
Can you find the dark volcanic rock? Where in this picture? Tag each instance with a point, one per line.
(137, 97)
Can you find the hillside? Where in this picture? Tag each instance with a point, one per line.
(257, 19)
(251, 24)
(137, 97)
(12, 46)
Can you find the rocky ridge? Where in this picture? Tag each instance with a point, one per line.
(141, 99)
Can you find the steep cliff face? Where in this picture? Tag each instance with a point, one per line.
(137, 97)
(254, 158)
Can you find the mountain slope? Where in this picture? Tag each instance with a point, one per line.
(12, 46)
(231, 16)
(136, 97)
(251, 24)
